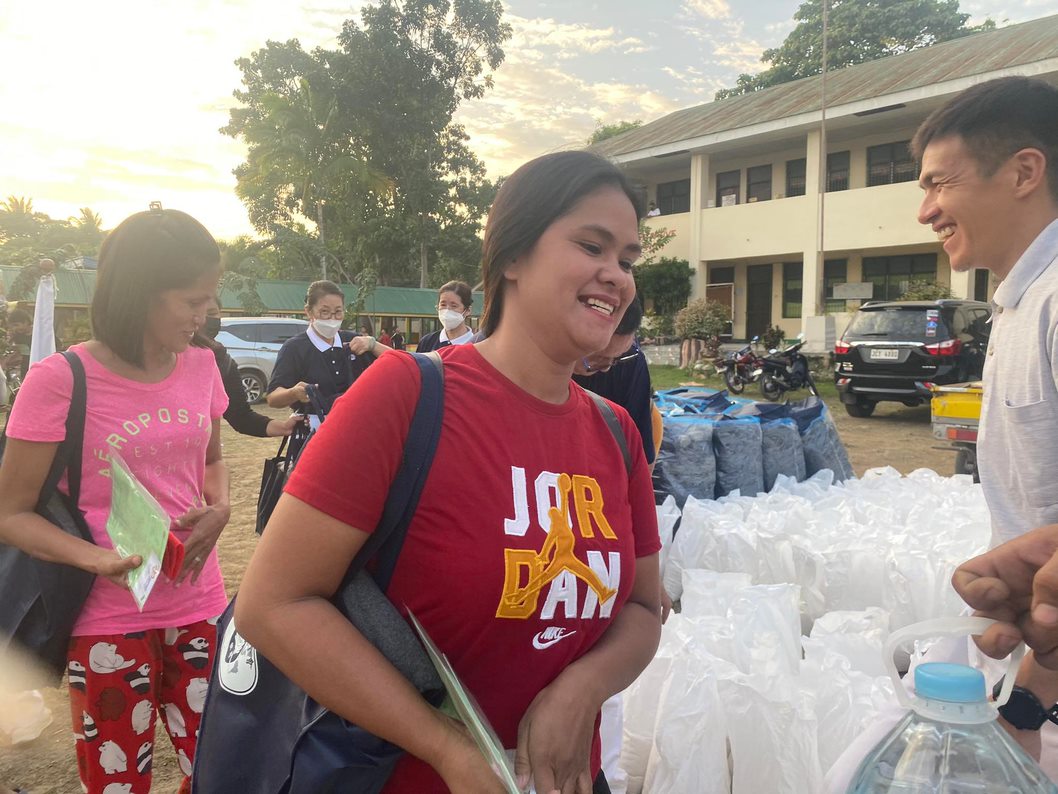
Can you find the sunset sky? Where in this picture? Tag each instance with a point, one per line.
(114, 104)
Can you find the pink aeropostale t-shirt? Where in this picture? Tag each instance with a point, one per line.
(161, 430)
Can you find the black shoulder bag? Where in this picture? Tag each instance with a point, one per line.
(261, 733)
(40, 601)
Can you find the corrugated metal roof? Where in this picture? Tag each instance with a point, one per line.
(976, 54)
(75, 288)
(72, 287)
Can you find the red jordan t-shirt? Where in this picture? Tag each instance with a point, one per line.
(511, 590)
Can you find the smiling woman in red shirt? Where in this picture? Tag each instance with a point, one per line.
(532, 557)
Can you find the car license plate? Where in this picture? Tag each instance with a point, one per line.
(884, 354)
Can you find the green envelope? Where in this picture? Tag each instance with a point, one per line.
(137, 524)
(469, 712)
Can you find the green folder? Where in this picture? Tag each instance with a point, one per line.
(469, 712)
(137, 524)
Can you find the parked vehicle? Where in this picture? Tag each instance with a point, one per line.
(955, 412)
(785, 370)
(900, 350)
(738, 366)
(254, 342)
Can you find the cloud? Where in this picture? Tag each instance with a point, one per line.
(546, 39)
(708, 9)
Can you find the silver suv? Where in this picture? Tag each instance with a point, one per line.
(254, 342)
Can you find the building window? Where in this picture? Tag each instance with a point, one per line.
(892, 275)
(837, 171)
(792, 288)
(890, 163)
(722, 275)
(758, 183)
(835, 271)
(727, 186)
(674, 197)
(795, 177)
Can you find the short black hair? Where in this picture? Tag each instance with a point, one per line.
(145, 255)
(997, 118)
(460, 288)
(633, 317)
(318, 289)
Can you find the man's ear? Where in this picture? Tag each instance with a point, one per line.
(1030, 170)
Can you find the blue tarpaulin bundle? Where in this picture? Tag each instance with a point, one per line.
(714, 444)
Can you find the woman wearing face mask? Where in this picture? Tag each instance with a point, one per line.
(239, 415)
(323, 355)
(453, 310)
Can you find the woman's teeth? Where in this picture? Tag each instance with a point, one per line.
(599, 306)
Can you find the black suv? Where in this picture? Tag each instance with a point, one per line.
(896, 350)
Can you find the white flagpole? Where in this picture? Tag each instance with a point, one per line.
(43, 343)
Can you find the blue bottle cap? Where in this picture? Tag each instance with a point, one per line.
(953, 683)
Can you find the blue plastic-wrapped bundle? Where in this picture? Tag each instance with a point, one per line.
(685, 464)
(782, 451)
(824, 450)
(739, 465)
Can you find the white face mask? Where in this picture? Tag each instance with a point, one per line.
(327, 328)
(450, 319)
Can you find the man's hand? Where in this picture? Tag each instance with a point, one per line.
(1016, 584)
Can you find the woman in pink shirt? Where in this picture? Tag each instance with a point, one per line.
(156, 402)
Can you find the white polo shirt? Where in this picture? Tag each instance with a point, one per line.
(1017, 446)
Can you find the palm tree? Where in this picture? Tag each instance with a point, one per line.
(88, 221)
(18, 218)
(296, 136)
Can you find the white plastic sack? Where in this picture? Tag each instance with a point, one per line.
(690, 742)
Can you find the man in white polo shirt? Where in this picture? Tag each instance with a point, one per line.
(990, 178)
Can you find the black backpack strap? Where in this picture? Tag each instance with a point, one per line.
(419, 447)
(610, 418)
(68, 455)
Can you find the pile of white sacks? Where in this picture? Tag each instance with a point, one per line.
(774, 663)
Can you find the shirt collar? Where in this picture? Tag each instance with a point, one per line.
(459, 340)
(1037, 258)
(322, 344)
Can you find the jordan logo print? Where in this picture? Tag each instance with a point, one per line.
(556, 557)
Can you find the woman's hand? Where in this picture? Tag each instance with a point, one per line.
(206, 524)
(462, 765)
(284, 427)
(300, 393)
(111, 565)
(554, 741)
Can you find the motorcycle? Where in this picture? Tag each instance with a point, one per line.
(785, 370)
(737, 368)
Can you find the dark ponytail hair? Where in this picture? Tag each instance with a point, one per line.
(530, 200)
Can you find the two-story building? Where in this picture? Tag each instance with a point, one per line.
(777, 196)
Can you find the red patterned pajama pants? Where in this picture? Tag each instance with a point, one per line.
(118, 685)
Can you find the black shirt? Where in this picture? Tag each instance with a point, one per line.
(332, 371)
(627, 384)
(431, 341)
(239, 415)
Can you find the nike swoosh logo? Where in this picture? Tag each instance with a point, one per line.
(541, 644)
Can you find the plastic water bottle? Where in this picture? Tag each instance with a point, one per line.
(950, 742)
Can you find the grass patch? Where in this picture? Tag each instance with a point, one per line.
(670, 377)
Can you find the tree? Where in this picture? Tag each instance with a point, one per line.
(27, 236)
(324, 126)
(857, 31)
(666, 283)
(925, 290)
(604, 131)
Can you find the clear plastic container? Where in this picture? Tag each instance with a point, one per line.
(950, 742)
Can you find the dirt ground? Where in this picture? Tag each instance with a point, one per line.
(895, 436)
